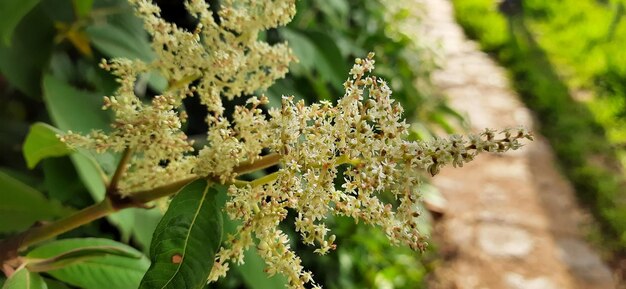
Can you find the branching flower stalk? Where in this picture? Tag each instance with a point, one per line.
(363, 132)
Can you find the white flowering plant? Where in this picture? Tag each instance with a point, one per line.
(223, 58)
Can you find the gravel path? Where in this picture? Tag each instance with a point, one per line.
(512, 221)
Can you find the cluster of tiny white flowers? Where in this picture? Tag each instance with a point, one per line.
(364, 132)
(224, 59)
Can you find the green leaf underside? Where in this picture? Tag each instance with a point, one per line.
(42, 142)
(78, 255)
(23, 279)
(21, 205)
(186, 240)
(98, 272)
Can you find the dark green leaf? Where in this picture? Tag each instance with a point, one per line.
(63, 184)
(331, 64)
(22, 279)
(54, 284)
(22, 62)
(11, 12)
(316, 50)
(99, 272)
(42, 142)
(186, 240)
(23, 205)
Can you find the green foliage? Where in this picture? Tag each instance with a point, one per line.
(12, 13)
(491, 28)
(186, 240)
(325, 37)
(82, 8)
(23, 279)
(76, 255)
(365, 259)
(42, 142)
(24, 205)
(123, 269)
(22, 62)
(549, 40)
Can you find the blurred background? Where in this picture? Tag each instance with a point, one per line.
(566, 60)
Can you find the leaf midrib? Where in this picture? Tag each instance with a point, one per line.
(193, 222)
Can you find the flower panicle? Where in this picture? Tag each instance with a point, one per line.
(363, 134)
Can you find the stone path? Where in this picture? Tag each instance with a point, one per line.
(512, 221)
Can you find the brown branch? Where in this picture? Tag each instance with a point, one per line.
(112, 187)
(10, 246)
(261, 163)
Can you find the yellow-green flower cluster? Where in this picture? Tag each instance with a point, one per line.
(364, 133)
(224, 59)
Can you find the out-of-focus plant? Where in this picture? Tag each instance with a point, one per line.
(567, 60)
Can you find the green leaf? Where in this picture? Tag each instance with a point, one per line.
(42, 142)
(62, 183)
(22, 62)
(317, 50)
(54, 284)
(145, 223)
(73, 109)
(78, 255)
(116, 41)
(186, 240)
(23, 279)
(302, 47)
(23, 205)
(99, 272)
(82, 8)
(11, 12)
(330, 62)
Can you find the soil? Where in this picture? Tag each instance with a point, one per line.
(511, 220)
